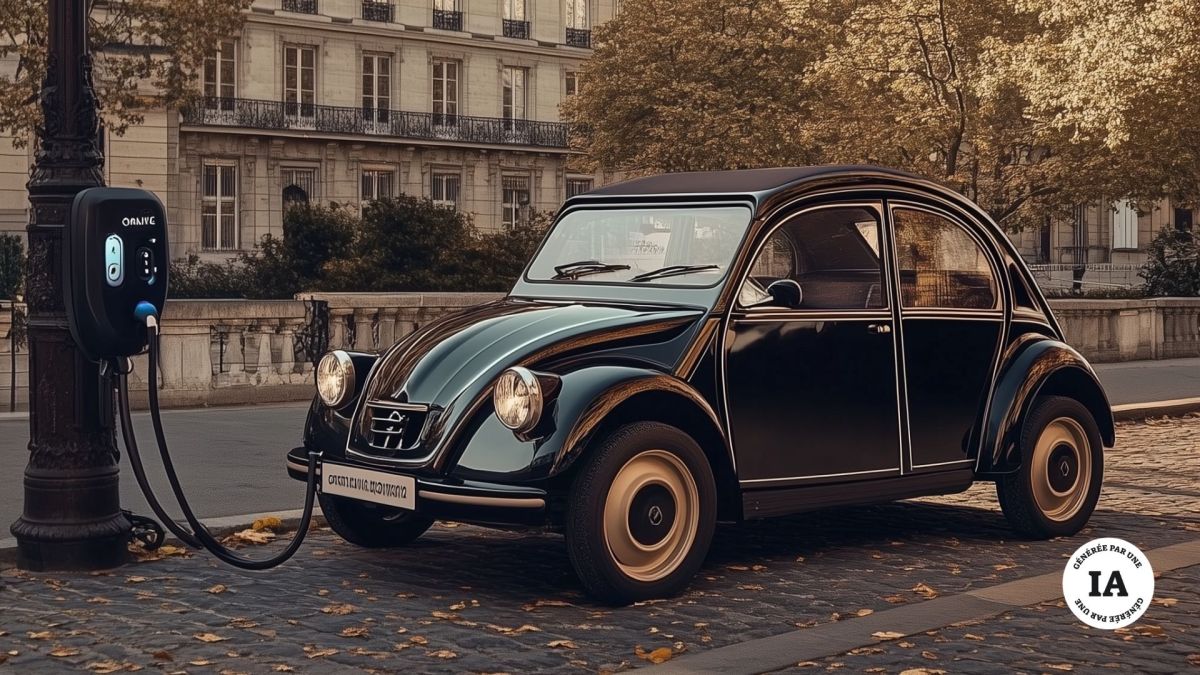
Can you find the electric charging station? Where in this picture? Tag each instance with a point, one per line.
(118, 269)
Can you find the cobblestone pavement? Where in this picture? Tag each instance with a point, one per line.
(468, 599)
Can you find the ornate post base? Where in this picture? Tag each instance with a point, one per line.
(59, 529)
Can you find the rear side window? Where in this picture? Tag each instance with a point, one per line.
(941, 265)
(1022, 295)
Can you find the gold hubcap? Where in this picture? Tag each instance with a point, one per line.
(651, 515)
(1061, 472)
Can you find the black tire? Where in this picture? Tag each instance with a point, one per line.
(372, 525)
(669, 463)
(1054, 467)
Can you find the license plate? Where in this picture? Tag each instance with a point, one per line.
(369, 486)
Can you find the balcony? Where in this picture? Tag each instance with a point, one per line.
(516, 28)
(374, 10)
(448, 19)
(579, 37)
(310, 118)
(300, 6)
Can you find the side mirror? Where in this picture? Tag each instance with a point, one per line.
(786, 293)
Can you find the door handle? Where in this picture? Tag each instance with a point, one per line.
(879, 328)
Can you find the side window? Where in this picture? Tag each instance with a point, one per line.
(832, 254)
(940, 264)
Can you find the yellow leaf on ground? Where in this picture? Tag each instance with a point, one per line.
(354, 631)
(40, 635)
(443, 654)
(61, 652)
(219, 588)
(104, 667)
(209, 637)
(418, 640)
(283, 668)
(315, 653)
(339, 609)
(925, 590)
(1059, 666)
(1166, 602)
(886, 635)
(561, 644)
(864, 612)
(660, 655)
(268, 523)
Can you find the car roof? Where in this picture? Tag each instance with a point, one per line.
(758, 183)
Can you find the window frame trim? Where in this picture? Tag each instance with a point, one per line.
(769, 311)
(1000, 302)
(217, 199)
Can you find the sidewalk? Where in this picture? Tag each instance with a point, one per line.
(1146, 381)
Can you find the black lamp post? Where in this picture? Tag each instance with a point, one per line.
(72, 518)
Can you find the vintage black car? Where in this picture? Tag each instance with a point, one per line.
(700, 347)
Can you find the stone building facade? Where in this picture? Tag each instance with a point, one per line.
(348, 100)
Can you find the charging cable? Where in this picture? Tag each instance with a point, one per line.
(199, 537)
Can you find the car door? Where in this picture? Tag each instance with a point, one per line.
(811, 390)
(952, 321)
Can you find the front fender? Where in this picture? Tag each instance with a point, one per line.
(1035, 364)
(585, 399)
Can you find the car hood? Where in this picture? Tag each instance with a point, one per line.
(458, 356)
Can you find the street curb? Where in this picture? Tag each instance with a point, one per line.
(830, 639)
(219, 527)
(1132, 412)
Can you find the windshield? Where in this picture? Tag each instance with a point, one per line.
(687, 246)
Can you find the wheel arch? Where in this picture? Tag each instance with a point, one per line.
(654, 397)
(1035, 366)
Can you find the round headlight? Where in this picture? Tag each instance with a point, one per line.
(518, 399)
(335, 379)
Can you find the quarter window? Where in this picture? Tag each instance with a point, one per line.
(218, 207)
(833, 254)
(941, 265)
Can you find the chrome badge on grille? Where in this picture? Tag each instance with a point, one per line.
(387, 429)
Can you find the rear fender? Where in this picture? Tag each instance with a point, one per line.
(1035, 365)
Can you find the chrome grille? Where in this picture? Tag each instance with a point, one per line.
(390, 429)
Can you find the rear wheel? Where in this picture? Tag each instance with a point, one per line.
(1055, 491)
(372, 525)
(642, 513)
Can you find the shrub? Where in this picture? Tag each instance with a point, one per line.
(193, 278)
(498, 258)
(1173, 268)
(12, 265)
(313, 236)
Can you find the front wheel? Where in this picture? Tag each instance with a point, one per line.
(642, 513)
(1056, 489)
(372, 525)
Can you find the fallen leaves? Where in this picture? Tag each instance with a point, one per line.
(338, 609)
(887, 635)
(218, 588)
(1065, 667)
(209, 637)
(1166, 602)
(925, 590)
(657, 656)
(508, 630)
(268, 523)
(63, 652)
(312, 652)
(443, 654)
(561, 644)
(104, 667)
(529, 607)
(249, 536)
(40, 634)
(354, 631)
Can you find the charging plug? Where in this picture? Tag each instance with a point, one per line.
(147, 314)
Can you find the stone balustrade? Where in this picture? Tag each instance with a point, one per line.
(232, 352)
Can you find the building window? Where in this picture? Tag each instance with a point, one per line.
(445, 92)
(377, 184)
(579, 32)
(376, 91)
(514, 200)
(299, 185)
(378, 10)
(300, 6)
(218, 208)
(516, 23)
(1183, 219)
(513, 104)
(572, 82)
(1125, 226)
(447, 15)
(300, 82)
(578, 186)
(220, 77)
(445, 189)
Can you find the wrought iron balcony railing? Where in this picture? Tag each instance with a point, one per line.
(374, 10)
(448, 19)
(307, 117)
(300, 6)
(579, 37)
(515, 28)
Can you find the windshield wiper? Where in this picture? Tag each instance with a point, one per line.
(581, 268)
(672, 271)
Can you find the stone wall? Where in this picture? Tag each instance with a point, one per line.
(234, 352)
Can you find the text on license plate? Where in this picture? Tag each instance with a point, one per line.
(367, 485)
